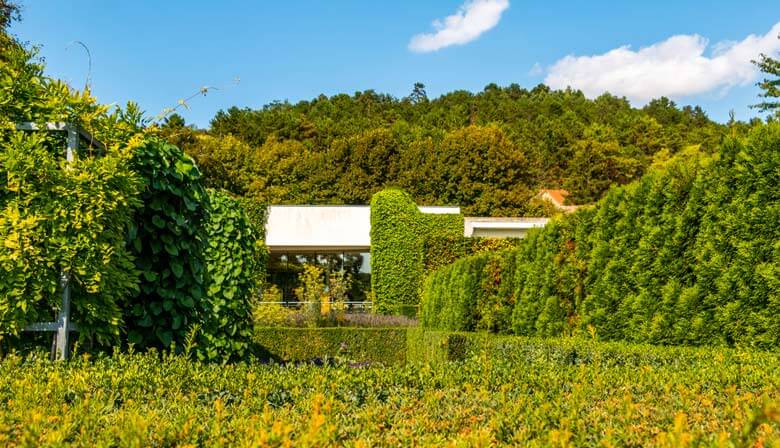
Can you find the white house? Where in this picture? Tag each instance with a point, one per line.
(339, 238)
(347, 228)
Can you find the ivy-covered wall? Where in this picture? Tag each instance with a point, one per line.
(399, 232)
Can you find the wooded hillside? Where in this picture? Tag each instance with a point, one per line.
(488, 152)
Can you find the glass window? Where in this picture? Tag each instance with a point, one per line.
(284, 269)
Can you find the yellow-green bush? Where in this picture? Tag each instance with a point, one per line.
(507, 391)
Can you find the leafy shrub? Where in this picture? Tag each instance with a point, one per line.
(199, 257)
(511, 391)
(166, 240)
(338, 287)
(71, 217)
(377, 345)
(441, 250)
(311, 292)
(267, 311)
(231, 262)
(272, 315)
(374, 320)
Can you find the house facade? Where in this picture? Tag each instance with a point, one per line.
(339, 238)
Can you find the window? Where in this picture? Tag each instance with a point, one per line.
(284, 268)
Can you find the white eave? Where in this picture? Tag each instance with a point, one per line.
(472, 225)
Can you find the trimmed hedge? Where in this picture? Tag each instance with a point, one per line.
(398, 234)
(406, 244)
(441, 250)
(515, 392)
(687, 255)
(388, 346)
(375, 345)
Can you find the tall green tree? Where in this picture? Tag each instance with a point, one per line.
(770, 85)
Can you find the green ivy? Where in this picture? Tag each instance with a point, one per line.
(167, 241)
(232, 262)
(398, 235)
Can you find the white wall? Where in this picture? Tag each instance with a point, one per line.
(310, 228)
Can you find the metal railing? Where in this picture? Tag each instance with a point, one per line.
(350, 306)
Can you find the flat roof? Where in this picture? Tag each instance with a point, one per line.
(471, 223)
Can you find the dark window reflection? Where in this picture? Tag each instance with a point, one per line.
(284, 269)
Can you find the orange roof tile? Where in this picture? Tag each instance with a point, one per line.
(558, 196)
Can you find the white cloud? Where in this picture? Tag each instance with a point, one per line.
(675, 67)
(471, 20)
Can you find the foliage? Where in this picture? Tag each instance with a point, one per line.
(311, 292)
(9, 12)
(231, 260)
(396, 261)
(270, 312)
(257, 213)
(339, 285)
(376, 345)
(488, 152)
(398, 234)
(453, 304)
(272, 315)
(199, 256)
(770, 86)
(686, 255)
(75, 217)
(64, 217)
(507, 391)
(167, 240)
(441, 250)
(374, 320)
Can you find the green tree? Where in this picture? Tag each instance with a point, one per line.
(9, 12)
(418, 94)
(770, 86)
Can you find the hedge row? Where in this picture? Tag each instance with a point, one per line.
(687, 255)
(515, 392)
(387, 346)
(406, 244)
(375, 345)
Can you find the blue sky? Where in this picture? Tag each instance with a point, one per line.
(158, 52)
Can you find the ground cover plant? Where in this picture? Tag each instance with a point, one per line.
(508, 390)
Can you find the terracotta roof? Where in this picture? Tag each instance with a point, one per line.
(557, 196)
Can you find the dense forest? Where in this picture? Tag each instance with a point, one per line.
(488, 152)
